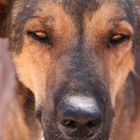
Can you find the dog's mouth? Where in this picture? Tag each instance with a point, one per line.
(81, 135)
(55, 131)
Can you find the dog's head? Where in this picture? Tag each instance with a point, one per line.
(74, 56)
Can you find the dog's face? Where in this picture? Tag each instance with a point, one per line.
(74, 56)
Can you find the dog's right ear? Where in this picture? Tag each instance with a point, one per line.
(4, 10)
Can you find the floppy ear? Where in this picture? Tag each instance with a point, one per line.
(4, 10)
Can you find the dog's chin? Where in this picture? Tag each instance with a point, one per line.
(99, 137)
(57, 135)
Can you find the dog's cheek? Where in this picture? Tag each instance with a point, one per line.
(32, 66)
(118, 72)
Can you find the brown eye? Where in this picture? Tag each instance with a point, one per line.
(117, 39)
(40, 36)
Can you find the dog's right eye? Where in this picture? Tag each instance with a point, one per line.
(117, 39)
(40, 36)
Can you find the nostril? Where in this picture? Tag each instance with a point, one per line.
(39, 115)
(92, 124)
(95, 122)
(83, 116)
(69, 124)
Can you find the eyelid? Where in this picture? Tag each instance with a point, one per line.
(124, 28)
(117, 37)
(36, 23)
(40, 34)
(41, 38)
(36, 29)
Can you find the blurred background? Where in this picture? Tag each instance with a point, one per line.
(6, 84)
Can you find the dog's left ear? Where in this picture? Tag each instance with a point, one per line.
(4, 11)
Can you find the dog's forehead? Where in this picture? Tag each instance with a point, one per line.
(85, 4)
(76, 8)
(81, 5)
(71, 6)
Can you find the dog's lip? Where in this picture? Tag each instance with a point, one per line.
(93, 137)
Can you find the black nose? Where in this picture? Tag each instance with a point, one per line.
(80, 113)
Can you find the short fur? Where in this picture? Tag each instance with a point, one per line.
(77, 57)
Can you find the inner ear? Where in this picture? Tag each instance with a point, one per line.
(4, 10)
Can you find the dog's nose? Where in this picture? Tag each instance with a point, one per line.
(73, 117)
(78, 113)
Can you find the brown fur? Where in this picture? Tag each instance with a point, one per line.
(43, 68)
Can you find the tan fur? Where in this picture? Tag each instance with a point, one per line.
(35, 56)
(15, 127)
(99, 25)
(36, 61)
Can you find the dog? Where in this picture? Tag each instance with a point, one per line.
(72, 60)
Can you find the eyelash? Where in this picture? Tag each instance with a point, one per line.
(42, 39)
(118, 39)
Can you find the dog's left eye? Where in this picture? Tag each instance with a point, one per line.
(117, 39)
(40, 36)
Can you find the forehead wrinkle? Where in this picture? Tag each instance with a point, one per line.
(77, 8)
(82, 5)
